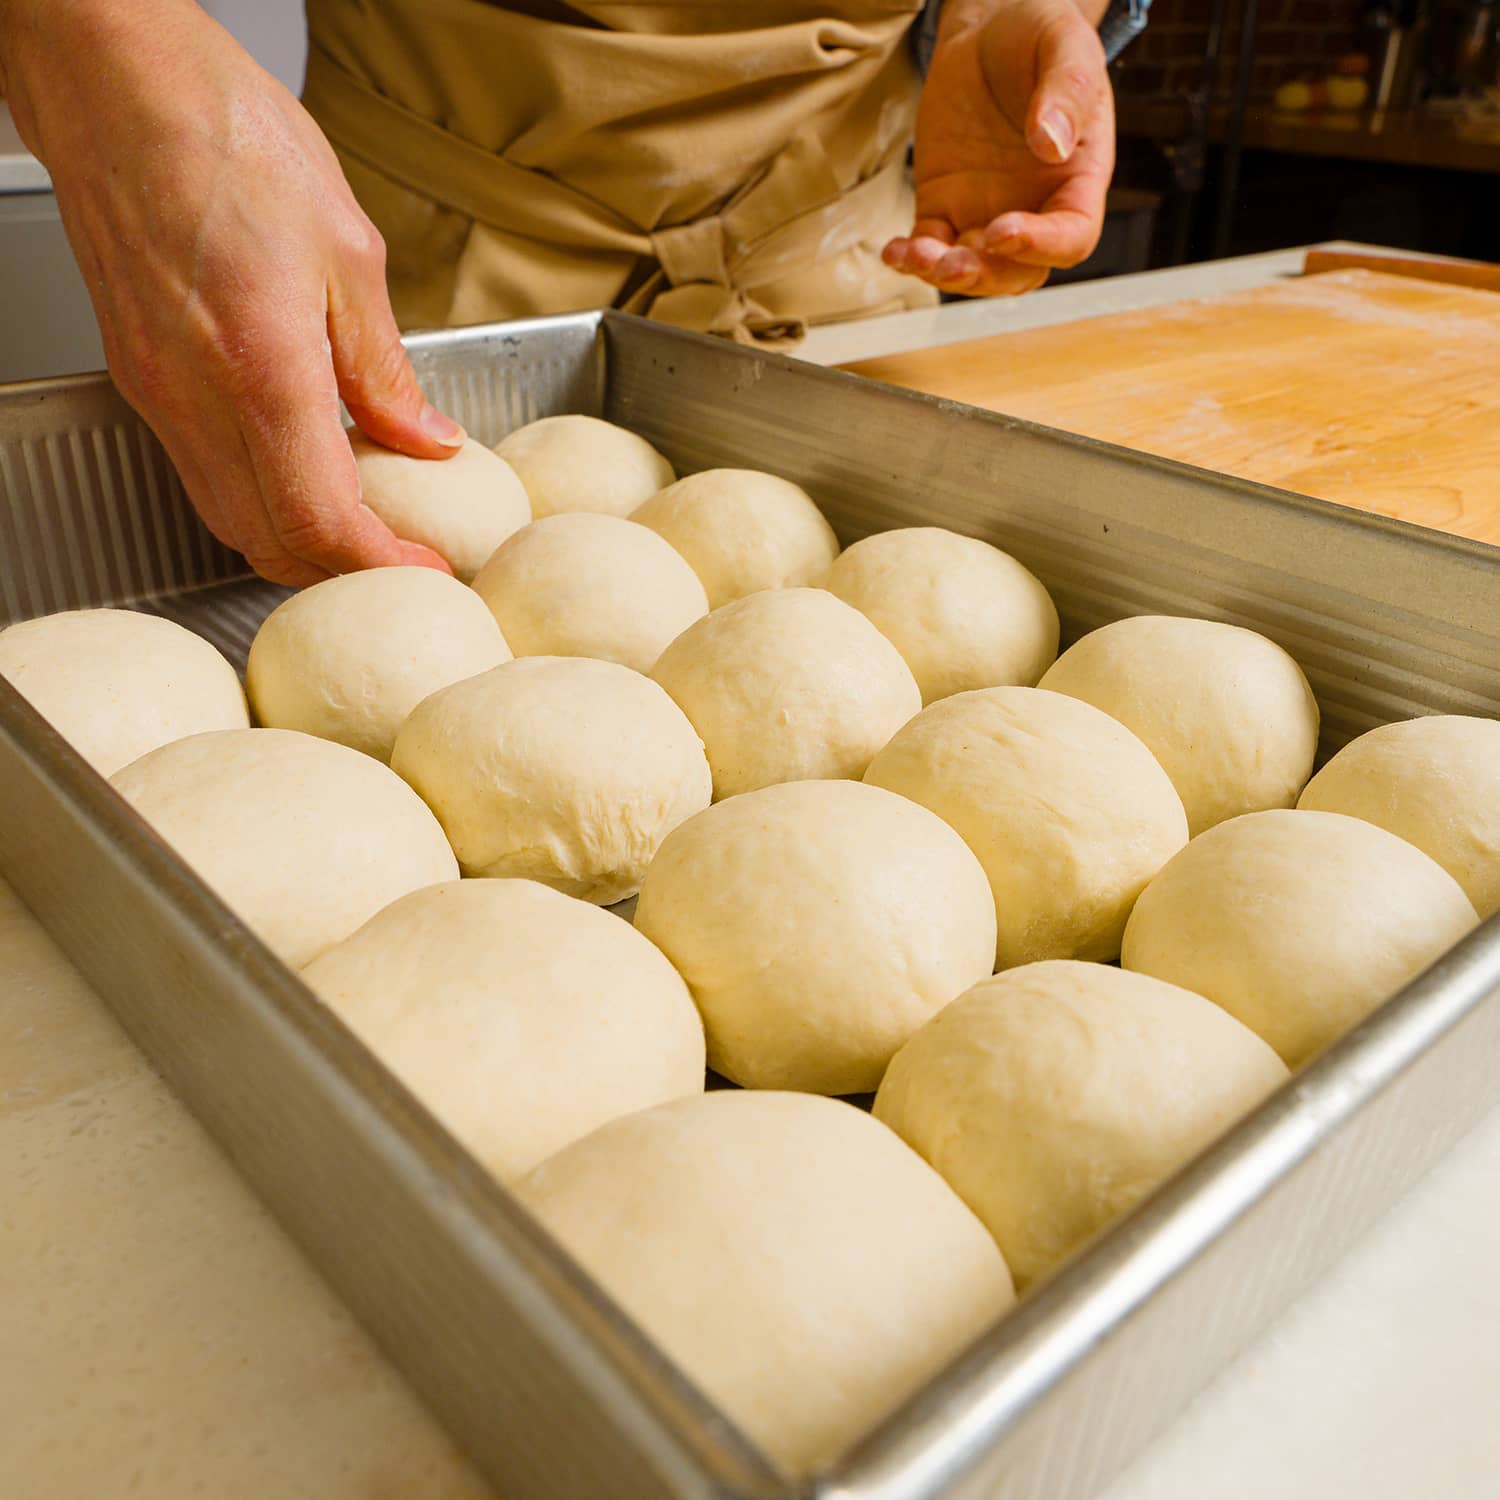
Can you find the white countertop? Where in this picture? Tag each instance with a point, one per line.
(977, 318)
(159, 1335)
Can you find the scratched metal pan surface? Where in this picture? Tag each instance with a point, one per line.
(553, 1392)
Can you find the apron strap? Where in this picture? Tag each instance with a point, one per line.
(403, 146)
(792, 216)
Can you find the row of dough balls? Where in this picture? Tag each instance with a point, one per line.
(882, 913)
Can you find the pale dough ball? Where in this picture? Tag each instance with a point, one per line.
(1068, 812)
(962, 613)
(584, 584)
(800, 1264)
(303, 839)
(787, 685)
(1056, 1096)
(580, 463)
(1298, 923)
(349, 658)
(818, 924)
(1228, 713)
(743, 531)
(462, 507)
(1434, 782)
(522, 1018)
(558, 769)
(115, 683)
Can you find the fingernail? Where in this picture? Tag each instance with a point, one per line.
(1005, 245)
(442, 427)
(1057, 128)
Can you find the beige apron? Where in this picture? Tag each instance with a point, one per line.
(732, 166)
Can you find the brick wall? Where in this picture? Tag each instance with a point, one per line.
(1294, 38)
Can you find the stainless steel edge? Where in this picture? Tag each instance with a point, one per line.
(496, 377)
(90, 509)
(514, 1347)
(1389, 620)
(1096, 1361)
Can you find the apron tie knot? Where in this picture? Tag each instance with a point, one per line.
(700, 290)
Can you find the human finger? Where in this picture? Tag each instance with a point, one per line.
(1072, 80)
(373, 374)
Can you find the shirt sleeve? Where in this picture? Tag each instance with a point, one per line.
(1123, 22)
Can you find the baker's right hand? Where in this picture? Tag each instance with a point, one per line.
(239, 288)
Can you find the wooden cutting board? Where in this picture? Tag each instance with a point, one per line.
(1370, 390)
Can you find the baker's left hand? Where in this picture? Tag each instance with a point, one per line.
(1015, 145)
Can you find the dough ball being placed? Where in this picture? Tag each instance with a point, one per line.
(1227, 712)
(522, 1018)
(580, 463)
(743, 531)
(1434, 782)
(115, 683)
(962, 613)
(462, 507)
(804, 1268)
(349, 658)
(1055, 1096)
(558, 769)
(787, 685)
(818, 925)
(1068, 812)
(303, 839)
(1298, 923)
(590, 585)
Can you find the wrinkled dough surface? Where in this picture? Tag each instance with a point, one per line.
(522, 1018)
(1054, 1097)
(1227, 712)
(116, 683)
(559, 769)
(963, 614)
(1068, 812)
(1298, 923)
(818, 924)
(303, 839)
(787, 685)
(798, 1262)
(743, 531)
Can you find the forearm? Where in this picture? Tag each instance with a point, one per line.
(46, 43)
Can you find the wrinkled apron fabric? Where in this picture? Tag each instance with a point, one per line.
(731, 167)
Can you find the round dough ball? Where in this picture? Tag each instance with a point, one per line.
(1298, 923)
(522, 1018)
(1434, 782)
(789, 1254)
(590, 585)
(115, 683)
(1228, 713)
(1068, 812)
(1056, 1096)
(558, 769)
(349, 658)
(462, 507)
(305, 840)
(743, 531)
(962, 613)
(580, 463)
(818, 925)
(787, 685)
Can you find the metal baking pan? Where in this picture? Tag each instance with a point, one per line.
(551, 1390)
